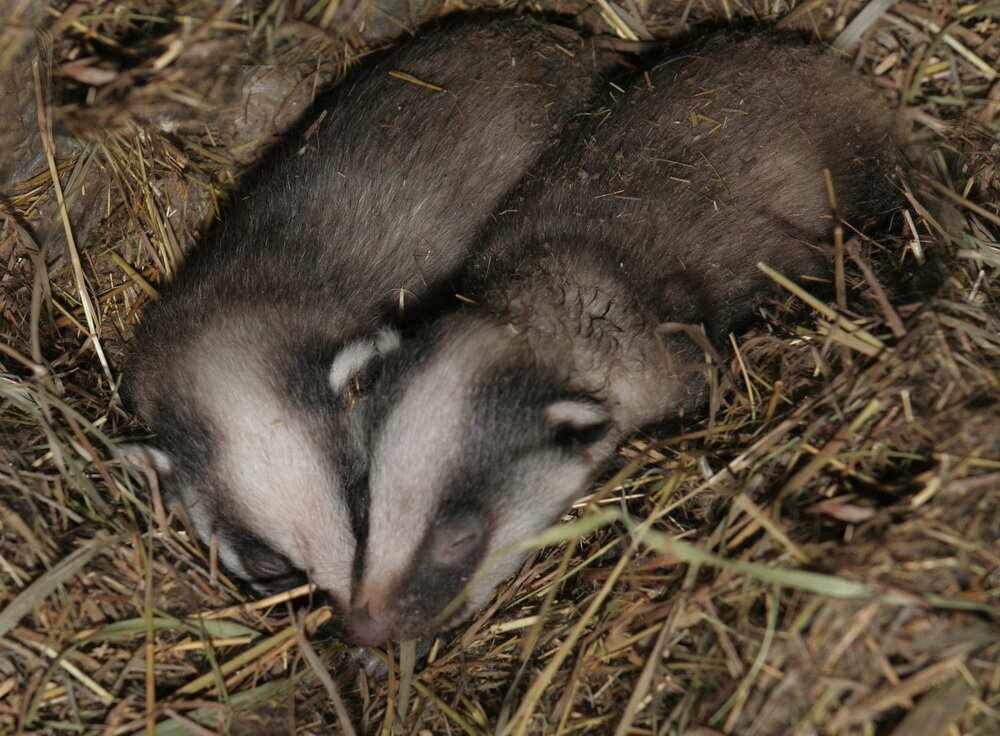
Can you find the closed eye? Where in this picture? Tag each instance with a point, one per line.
(269, 570)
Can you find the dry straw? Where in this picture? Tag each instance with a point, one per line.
(822, 557)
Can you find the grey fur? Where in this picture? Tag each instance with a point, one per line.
(236, 368)
(501, 414)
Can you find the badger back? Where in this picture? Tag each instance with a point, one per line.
(249, 368)
(714, 161)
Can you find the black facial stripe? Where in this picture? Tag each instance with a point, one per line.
(509, 407)
(356, 494)
(368, 376)
(186, 438)
(400, 364)
(511, 425)
(429, 586)
(304, 373)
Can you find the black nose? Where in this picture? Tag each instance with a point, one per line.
(364, 629)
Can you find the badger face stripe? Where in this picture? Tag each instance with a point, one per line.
(281, 479)
(184, 467)
(456, 542)
(420, 438)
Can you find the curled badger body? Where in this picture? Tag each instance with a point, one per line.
(499, 415)
(251, 368)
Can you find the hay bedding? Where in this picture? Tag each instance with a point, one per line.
(820, 556)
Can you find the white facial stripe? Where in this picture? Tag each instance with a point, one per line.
(414, 449)
(417, 449)
(283, 490)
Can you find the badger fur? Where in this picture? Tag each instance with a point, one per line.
(251, 367)
(493, 420)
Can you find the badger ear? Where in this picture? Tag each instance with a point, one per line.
(359, 362)
(577, 423)
(139, 454)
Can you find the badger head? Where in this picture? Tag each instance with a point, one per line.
(261, 442)
(477, 446)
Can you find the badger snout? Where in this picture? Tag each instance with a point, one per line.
(365, 629)
(428, 592)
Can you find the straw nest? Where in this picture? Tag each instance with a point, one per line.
(821, 555)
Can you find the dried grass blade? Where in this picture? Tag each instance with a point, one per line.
(237, 702)
(623, 22)
(743, 690)
(645, 681)
(324, 677)
(137, 277)
(935, 713)
(861, 23)
(136, 626)
(407, 664)
(521, 719)
(839, 441)
(44, 125)
(413, 80)
(746, 504)
(39, 590)
(281, 639)
(945, 32)
(899, 695)
(831, 314)
(82, 677)
(272, 600)
(959, 199)
(450, 712)
(193, 727)
(890, 314)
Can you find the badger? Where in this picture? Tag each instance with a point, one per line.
(251, 369)
(491, 420)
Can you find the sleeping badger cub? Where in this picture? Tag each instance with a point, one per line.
(500, 414)
(251, 368)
